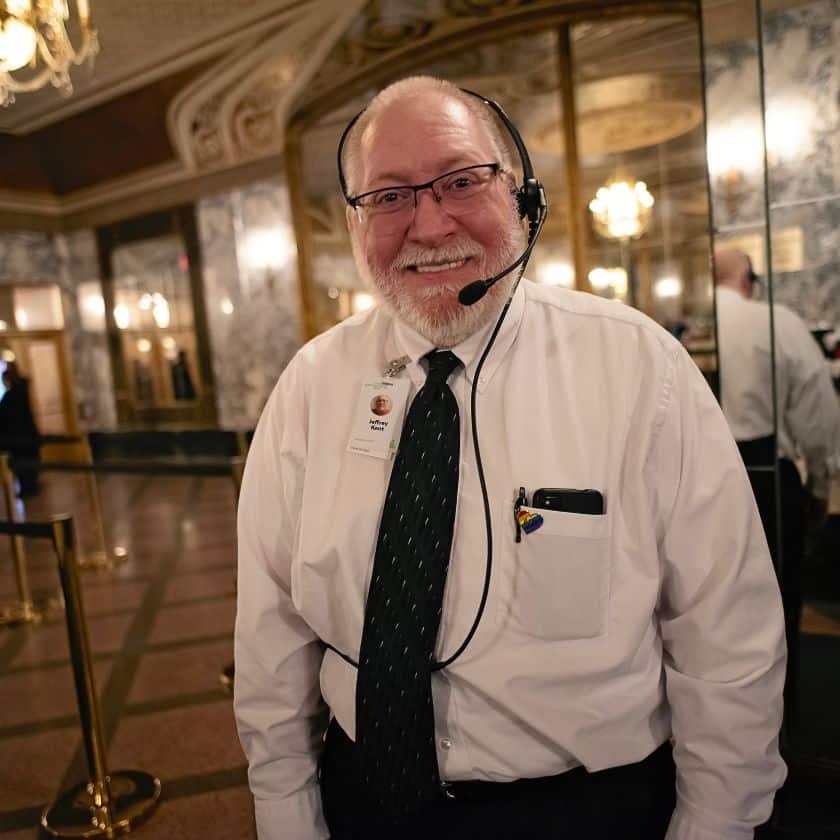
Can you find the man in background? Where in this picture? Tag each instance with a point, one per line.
(18, 431)
(808, 418)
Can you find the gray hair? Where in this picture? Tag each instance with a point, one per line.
(351, 157)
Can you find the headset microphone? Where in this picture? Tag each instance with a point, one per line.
(531, 204)
(475, 291)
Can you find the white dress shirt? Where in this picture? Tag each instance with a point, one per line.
(602, 636)
(809, 409)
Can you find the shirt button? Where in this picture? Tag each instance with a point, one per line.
(445, 743)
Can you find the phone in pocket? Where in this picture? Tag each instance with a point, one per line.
(569, 500)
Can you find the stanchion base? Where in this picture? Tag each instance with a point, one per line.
(20, 612)
(227, 675)
(102, 562)
(134, 795)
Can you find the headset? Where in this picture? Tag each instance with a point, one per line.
(533, 206)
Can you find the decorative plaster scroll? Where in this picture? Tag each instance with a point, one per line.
(236, 112)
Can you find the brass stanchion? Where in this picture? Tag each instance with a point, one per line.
(24, 610)
(100, 558)
(109, 804)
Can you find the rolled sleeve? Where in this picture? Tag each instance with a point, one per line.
(720, 619)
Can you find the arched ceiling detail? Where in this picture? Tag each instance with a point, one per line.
(237, 110)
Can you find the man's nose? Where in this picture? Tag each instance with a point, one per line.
(431, 222)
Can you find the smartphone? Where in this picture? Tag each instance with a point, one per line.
(568, 500)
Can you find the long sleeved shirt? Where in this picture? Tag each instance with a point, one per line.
(808, 406)
(602, 635)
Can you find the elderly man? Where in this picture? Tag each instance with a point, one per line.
(392, 681)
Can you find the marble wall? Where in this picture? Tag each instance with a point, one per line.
(251, 294)
(68, 260)
(802, 95)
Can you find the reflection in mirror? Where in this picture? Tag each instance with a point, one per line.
(153, 312)
(775, 210)
(802, 113)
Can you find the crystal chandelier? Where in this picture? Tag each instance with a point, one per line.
(621, 210)
(33, 34)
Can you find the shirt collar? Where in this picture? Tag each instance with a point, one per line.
(405, 341)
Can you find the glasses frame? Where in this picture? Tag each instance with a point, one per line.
(354, 200)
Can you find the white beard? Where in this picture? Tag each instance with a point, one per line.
(455, 322)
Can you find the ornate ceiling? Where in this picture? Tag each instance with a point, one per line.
(188, 93)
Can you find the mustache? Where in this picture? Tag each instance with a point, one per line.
(413, 255)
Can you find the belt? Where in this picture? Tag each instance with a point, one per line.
(480, 791)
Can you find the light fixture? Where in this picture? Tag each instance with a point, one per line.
(269, 248)
(3, 325)
(160, 310)
(622, 210)
(122, 316)
(33, 34)
(667, 287)
(361, 301)
(227, 306)
(609, 282)
(556, 273)
(144, 345)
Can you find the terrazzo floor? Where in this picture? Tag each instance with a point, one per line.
(161, 630)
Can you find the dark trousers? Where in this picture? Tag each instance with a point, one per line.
(761, 452)
(631, 802)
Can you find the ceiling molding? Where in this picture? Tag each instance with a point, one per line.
(156, 188)
(237, 111)
(216, 40)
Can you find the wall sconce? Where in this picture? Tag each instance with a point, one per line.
(122, 316)
(556, 273)
(609, 282)
(735, 154)
(667, 287)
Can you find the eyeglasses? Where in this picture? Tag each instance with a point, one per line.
(458, 192)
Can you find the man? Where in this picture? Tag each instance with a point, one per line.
(18, 430)
(808, 423)
(381, 405)
(604, 633)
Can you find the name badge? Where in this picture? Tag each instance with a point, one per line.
(379, 417)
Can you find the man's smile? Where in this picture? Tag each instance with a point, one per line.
(431, 267)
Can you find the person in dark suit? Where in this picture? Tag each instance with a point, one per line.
(18, 431)
(182, 384)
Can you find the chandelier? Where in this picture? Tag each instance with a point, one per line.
(622, 210)
(33, 34)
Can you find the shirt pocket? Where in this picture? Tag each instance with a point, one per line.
(560, 584)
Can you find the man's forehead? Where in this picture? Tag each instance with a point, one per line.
(428, 127)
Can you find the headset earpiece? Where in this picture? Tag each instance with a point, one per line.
(531, 200)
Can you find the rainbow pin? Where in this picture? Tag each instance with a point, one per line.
(529, 522)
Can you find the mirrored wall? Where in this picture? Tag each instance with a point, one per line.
(773, 100)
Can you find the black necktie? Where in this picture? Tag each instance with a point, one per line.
(395, 725)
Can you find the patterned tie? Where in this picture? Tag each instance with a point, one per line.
(395, 725)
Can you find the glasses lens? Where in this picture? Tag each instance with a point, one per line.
(390, 200)
(465, 184)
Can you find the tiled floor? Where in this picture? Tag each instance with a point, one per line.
(160, 627)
